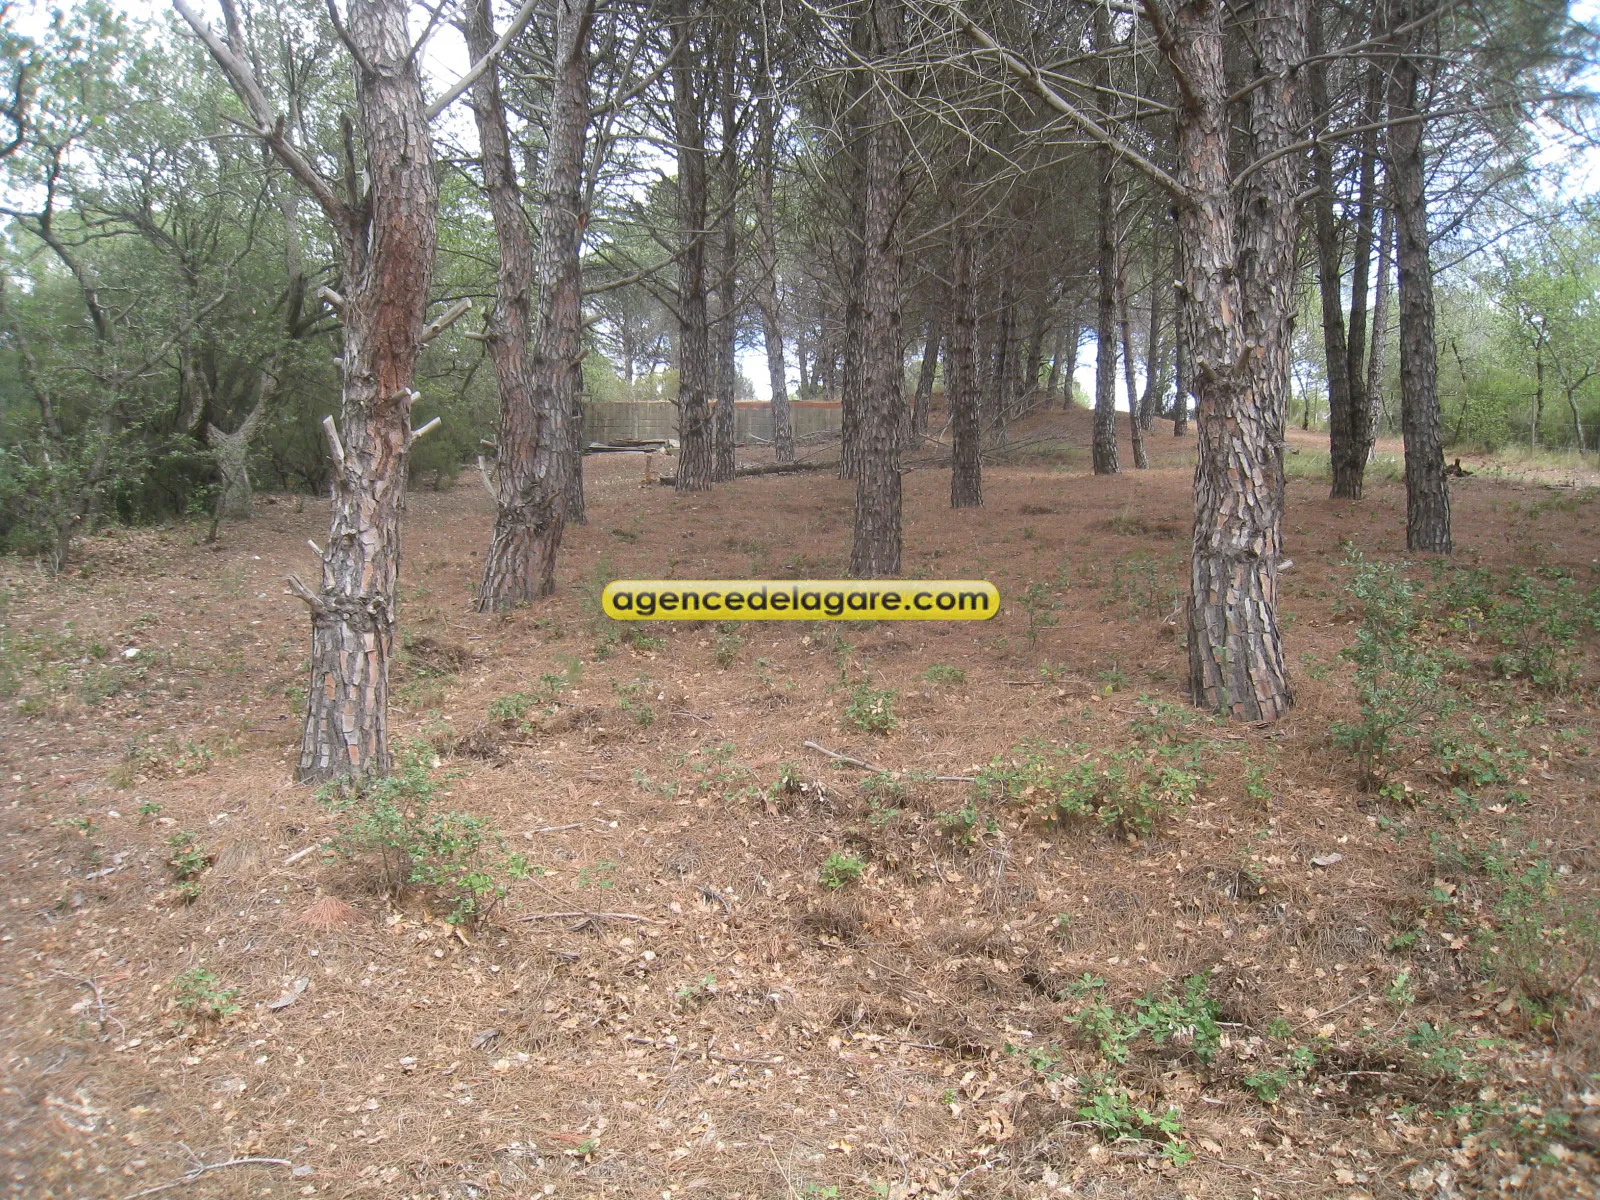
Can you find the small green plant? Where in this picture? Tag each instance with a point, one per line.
(1129, 790)
(149, 810)
(187, 863)
(200, 996)
(696, 991)
(1400, 668)
(513, 708)
(644, 643)
(871, 709)
(1110, 1112)
(1187, 1020)
(456, 856)
(1400, 992)
(633, 699)
(840, 870)
(940, 673)
(729, 641)
(967, 824)
(1041, 607)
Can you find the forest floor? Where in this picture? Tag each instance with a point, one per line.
(1250, 978)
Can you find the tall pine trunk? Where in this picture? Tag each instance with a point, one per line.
(387, 248)
(1104, 453)
(1237, 242)
(725, 327)
(1427, 491)
(767, 268)
(1350, 433)
(1155, 360)
(875, 549)
(1330, 278)
(1141, 460)
(694, 343)
(960, 377)
(532, 355)
(1377, 360)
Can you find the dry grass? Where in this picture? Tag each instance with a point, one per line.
(758, 1034)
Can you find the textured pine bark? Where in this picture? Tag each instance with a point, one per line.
(960, 379)
(1427, 490)
(725, 249)
(1104, 452)
(1237, 243)
(1141, 459)
(531, 355)
(1330, 276)
(1155, 360)
(767, 292)
(875, 549)
(1377, 358)
(694, 346)
(1349, 403)
(1005, 395)
(387, 250)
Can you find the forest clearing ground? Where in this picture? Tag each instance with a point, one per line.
(917, 1032)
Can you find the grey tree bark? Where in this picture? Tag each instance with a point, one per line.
(1427, 489)
(532, 354)
(875, 549)
(960, 378)
(694, 346)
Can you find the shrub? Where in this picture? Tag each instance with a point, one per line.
(871, 709)
(839, 870)
(201, 996)
(458, 857)
(1400, 670)
(940, 673)
(1129, 790)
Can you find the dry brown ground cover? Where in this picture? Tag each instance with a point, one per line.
(924, 1030)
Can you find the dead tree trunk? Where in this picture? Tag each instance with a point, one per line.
(386, 240)
(875, 549)
(960, 378)
(1237, 240)
(694, 345)
(767, 269)
(1427, 490)
(532, 355)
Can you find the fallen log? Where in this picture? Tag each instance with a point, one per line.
(765, 469)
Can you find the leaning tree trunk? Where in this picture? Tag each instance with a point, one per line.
(923, 399)
(875, 549)
(1427, 490)
(1237, 272)
(532, 356)
(960, 378)
(1141, 460)
(771, 312)
(694, 345)
(1105, 330)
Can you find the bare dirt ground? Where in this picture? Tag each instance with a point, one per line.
(735, 1028)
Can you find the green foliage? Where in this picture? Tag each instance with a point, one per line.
(871, 709)
(1400, 668)
(200, 996)
(456, 856)
(729, 641)
(839, 870)
(1109, 1110)
(1129, 790)
(1041, 607)
(633, 698)
(940, 673)
(1187, 1020)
